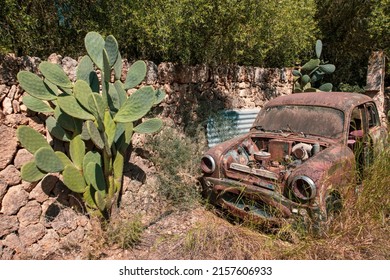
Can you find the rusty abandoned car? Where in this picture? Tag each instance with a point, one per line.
(301, 150)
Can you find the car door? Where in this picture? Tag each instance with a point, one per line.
(376, 132)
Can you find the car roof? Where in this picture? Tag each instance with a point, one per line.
(343, 101)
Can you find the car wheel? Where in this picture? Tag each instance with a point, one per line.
(333, 206)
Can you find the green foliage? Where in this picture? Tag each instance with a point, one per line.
(350, 88)
(103, 119)
(215, 32)
(352, 30)
(273, 33)
(176, 158)
(308, 78)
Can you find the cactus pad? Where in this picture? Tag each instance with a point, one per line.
(136, 74)
(36, 105)
(137, 105)
(100, 200)
(64, 158)
(114, 101)
(121, 92)
(77, 151)
(94, 173)
(93, 157)
(31, 139)
(73, 179)
(55, 74)
(310, 65)
(88, 197)
(160, 95)
(94, 43)
(327, 68)
(111, 46)
(31, 173)
(69, 105)
(84, 69)
(149, 126)
(35, 86)
(82, 91)
(118, 67)
(95, 135)
(106, 67)
(47, 160)
(326, 87)
(56, 130)
(96, 104)
(67, 122)
(109, 128)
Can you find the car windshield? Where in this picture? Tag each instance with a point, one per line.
(309, 120)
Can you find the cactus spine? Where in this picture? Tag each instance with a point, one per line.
(89, 110)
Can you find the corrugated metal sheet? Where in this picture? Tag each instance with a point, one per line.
(228, 124)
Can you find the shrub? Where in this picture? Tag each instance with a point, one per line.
(177, 160)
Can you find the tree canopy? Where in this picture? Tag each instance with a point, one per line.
(265, 33)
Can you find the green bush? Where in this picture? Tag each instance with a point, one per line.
(177, 158)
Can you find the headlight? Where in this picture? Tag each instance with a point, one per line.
(303, 188)
(207, 164)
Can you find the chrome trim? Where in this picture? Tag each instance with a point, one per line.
(311, 184)
(205, 167)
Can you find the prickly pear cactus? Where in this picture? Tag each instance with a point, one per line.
(308, 77)
(88, 110)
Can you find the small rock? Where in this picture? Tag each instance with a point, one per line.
(3, 190)
(74, 237)
(30, 213)
(12, 92)
(62, 193)
(8, 224)
(8, 145)
(12, 241)
(7, 106)
(36, 123)
(6, 253)
(10, 175)
(43, 189)
(3, 89)
(23, 156)
(15, 120)
(31, 234)
(50, 242)
(27, 186)
(14, 199)
(65, 222)
(23, 108)
(54, 58)
(69, 65)
(15, 106)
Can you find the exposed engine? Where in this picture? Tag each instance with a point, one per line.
(262, 161)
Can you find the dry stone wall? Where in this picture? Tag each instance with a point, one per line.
(36, 220)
